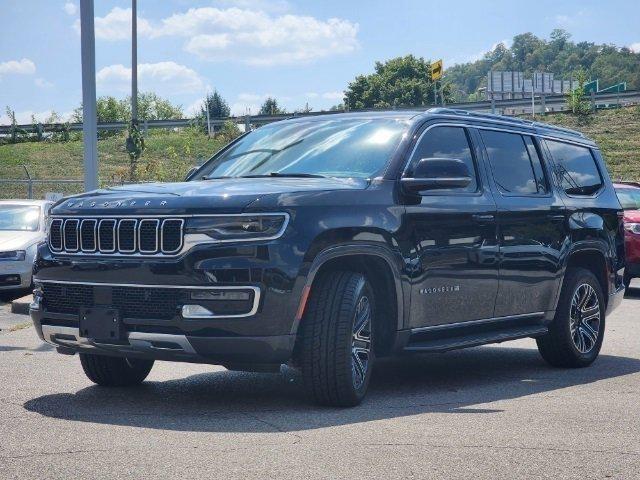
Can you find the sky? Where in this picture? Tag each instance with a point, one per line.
(297, 51)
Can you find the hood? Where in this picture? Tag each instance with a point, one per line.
(229, 195)
(18, 240)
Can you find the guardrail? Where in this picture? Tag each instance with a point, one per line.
(495, 106)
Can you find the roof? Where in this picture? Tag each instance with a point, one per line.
(538, 128)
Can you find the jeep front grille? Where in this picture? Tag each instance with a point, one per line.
(117, 236)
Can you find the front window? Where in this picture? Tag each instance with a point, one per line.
(629, 198)
(358, 147)
(19, 217)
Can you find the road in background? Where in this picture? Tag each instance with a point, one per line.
(488, 412)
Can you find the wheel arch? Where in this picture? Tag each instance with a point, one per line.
(382, 271)
(594, 260)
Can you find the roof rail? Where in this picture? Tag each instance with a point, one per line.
(503, 119)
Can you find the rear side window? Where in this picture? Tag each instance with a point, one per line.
(515, 163)
(575, 168)
(447, 142)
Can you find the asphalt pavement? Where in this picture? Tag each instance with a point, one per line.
(490, 412)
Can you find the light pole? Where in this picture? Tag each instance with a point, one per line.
(89, 110)
(134, 61)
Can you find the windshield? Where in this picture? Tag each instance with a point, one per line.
(333, 148)
(19, 217)
(629, 198)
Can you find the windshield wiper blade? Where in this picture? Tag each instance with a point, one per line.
(285, 174)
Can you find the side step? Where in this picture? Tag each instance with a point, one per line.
(474, 339)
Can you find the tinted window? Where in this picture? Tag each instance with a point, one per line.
(575, 168)
(447, 142)
(512, 163)
(355, 147)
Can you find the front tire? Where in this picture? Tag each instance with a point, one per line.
(115, 371)
(576, 333)
(336, 342)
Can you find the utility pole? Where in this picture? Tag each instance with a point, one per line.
(134, 61)
(89, 110)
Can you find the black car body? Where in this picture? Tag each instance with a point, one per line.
(476, 253)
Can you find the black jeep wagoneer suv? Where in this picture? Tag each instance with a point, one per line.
(329, 241)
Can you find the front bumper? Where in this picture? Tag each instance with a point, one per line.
(234, 352)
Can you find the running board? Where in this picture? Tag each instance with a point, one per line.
(472, 340)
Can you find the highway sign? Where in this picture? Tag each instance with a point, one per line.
(436, 70)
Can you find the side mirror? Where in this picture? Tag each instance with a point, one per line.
(191, 171)
(437, 174)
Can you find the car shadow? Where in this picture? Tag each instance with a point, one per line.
(457, 382)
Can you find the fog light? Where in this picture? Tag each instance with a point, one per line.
(196, 311)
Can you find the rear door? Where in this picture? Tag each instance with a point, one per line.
(453, 237)
(532, 225)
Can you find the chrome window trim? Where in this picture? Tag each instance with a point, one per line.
(157, 230)
(253, 311)
(115, 224)
(64, 235)
(95, 238)
(135, 235)
(162, 249)
(523, 131)
(53, 221)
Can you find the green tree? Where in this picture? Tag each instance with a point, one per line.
(271, 107)
(401, 81)
(217, 106)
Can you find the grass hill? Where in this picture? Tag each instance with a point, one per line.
(170, 154)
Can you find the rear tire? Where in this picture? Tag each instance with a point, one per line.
(115, 371)
(336, 340)
(576, 333)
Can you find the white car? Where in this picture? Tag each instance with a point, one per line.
(23, 224)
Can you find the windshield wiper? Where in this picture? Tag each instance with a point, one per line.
(285, 174)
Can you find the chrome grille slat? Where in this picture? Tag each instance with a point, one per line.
(70, 234)
(88, 227)
(127, 229)
(84, 235)
(55, 235)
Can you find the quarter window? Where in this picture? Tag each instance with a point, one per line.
(447, 142)
(575, 168)
(515, 163)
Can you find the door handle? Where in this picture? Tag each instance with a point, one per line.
(555, 218)
(483, 217)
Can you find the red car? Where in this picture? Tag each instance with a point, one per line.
(629, 196)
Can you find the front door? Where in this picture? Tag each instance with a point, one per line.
(532, 226)
(455, 269)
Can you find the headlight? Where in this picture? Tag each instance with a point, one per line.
(13, 255)
(632, 227)
(229, 228)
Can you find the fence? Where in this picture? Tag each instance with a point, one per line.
(508, 107)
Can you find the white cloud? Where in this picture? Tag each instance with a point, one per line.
(263, 5)
(250, 32)
(167, 77)
(71, 8)
(635, 47)
(258, 38)
(42, 83)
(116, 25)
(569, 21)
(17, 67)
